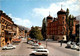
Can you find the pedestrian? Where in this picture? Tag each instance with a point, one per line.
(61, 41)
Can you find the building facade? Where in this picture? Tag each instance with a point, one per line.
(56, 27)
(16, 31)
(6, 29)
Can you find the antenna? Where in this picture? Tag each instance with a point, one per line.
(61, 5)
(49, 13)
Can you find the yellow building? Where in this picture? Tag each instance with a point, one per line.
(6, 29)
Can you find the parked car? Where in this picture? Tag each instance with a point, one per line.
(40, 47)
(35, 44)
(37, 47)
(10, 46)
(30, 42)
(42, 52)
(78, 46)
(68, 44)
(74, 46)
(78, 43)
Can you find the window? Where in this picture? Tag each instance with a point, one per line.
(62, 17)
(2, 27)
(41, 51)
(3, 20)
(63, 22)
(2, 34)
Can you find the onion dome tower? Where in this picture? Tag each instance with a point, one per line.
(49, 18)
(61, 12)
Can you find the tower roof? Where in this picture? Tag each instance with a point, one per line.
(49, 17)
(61, 12)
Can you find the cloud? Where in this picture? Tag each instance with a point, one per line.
(20, 21)
(73, 6)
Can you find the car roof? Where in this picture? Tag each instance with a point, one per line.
(41, 49)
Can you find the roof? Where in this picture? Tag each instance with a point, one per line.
(61, 12)
(49, 17)
(7, 17)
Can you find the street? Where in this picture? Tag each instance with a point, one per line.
(54, 50)
(21, 50)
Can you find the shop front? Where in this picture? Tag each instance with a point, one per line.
(8, 36)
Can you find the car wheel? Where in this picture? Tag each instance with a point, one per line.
(5, 48)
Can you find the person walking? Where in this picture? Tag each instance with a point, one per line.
(61, 41)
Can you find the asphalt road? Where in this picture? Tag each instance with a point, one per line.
(56, 50)
(23, 49)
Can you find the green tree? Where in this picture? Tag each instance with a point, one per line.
(67, 15)
(39, 35)
(69, 27)
(35, 33)
(43, 30)
(71, 21)
(67, 22)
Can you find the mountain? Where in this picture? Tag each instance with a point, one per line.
(23, 28)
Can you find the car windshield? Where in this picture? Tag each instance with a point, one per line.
(9, 46)
(41, 51)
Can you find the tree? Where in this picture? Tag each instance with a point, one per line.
(67, 22)
(35, 33)
(43, 31)
(71, 21)
(67, 15)
(69, 27)
(39, 35)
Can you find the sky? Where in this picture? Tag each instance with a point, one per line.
(30, 13)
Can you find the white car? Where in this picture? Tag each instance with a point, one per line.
(10, 46)
(35, 44)
(42, 52)
(30, 42)
(74, 46)
(37, 47)
(40, 47)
